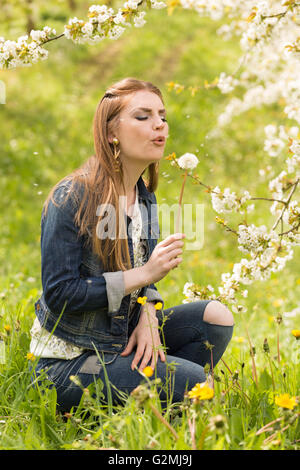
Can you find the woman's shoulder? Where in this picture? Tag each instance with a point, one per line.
(64, 196)
(68, 188)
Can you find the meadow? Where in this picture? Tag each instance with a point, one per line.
(46, 132)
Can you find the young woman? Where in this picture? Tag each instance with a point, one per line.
(92, 277)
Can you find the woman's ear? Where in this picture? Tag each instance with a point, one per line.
(111, 138)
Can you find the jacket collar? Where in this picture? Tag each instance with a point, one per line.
(143, 191)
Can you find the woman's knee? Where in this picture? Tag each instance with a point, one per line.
(218, 314)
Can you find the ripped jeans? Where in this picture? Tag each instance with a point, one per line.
(184, 336)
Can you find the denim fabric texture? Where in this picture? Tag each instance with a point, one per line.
(80, 302)
(184, 335)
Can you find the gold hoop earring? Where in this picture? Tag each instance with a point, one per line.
(117, 161)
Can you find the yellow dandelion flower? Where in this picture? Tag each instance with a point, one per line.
(7, 328)
(201, 391)
(239, 339)
(158, 306)
(142, 300)
(30, 357)
(296, 333)
(148, 371)
(170, 85)
(277, 302)
(285, 401)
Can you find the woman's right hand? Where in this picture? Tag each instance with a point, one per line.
(164, 257)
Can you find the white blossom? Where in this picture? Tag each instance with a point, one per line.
(226, 201)
(158, 5)
(116, 32)
(226, 83)
(253, 240)
(100, 13)
(132, 4)
(274, 146)
(293, 163)
(295, 147)
(119, 18)
(291, 215)
(139, 20)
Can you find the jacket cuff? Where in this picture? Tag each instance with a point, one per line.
(115, 288)
(154, 296)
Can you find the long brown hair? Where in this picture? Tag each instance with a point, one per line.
(101, 183)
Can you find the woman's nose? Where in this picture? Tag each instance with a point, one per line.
(159, 123)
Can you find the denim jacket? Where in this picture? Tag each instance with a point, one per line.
(80, 302)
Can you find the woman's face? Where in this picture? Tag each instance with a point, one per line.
(139, 127)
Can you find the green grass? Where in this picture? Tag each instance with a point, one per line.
(45, 132)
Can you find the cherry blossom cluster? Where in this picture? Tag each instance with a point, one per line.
(268, 250)
(25, 51)
(226, 201)
(269, 67)
(103, 22)
(269, 38)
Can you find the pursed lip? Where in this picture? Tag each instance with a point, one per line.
(160, 139)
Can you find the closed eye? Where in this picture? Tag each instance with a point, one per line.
(146, 117)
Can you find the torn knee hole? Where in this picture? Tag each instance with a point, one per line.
(216, 313)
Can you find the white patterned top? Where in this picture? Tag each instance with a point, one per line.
(44, 344)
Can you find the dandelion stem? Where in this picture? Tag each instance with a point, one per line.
(254, 374)
(266, 426)
(180, 200)
(192, 431)
(226, 365)
(162, 419)
(273, 381)
(151, 332)
(236, 382)
(202, 437)
(270, 438)
(212, 369)
(278, 350)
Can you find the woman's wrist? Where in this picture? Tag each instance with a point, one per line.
(145, 275)
(148, 309)
(136, 278)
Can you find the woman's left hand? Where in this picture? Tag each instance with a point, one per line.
(146, 338)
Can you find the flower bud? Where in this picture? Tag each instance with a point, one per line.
(217, 423)
(266, 346)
